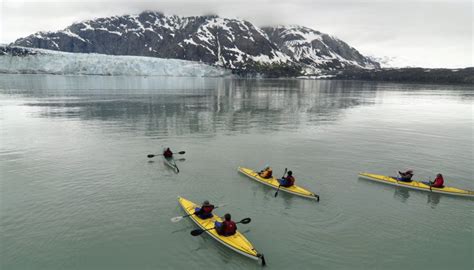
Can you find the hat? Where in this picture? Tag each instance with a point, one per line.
(206, 203)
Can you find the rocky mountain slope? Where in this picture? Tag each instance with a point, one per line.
(230, 43)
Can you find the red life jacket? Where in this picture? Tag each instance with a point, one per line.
(438, 182)
(290, 179)
(168, 153)
(228, 228)
(207, 209)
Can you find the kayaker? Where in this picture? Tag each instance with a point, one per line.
(266, 173)
(405, 176)
(167, 153)
(287, 181)
(205, 211)
(226, 228)
(438, 182)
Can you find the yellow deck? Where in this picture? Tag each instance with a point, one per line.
(236, 242)
(416, 185)
(273, 182)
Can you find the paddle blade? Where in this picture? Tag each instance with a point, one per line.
(176, 219)
(150, 155)
(197, 232)
(245, 221)
(182, 152)
(278, 189)
(263, 260)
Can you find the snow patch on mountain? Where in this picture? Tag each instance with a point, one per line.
(393, 61)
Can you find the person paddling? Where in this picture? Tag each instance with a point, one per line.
(405, 176)
(287, 181)
(205, 211)
(167, 153)
(438, 182)
(266, 173)
(227, 227)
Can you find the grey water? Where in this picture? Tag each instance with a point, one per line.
(77, 190)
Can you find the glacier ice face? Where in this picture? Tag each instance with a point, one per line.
(52, 62)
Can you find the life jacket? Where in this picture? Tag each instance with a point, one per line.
(167, 153)
(228, 228)
(290, 180)
(266, 173)
(207, 209)
(438, 182)
(205, 212)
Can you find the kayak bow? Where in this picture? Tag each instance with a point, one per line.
(170, 162)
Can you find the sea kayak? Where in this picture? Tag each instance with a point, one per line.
(170, 162)
(391, 180)
(236, 242)
(273, 182)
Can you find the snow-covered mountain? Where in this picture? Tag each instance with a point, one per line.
(317, 50)
(393, 61)
(230, 43)
(28, 60)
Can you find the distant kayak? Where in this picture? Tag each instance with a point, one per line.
(391, 180)
(236, 242)
(273, 182)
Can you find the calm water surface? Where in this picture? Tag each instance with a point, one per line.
(78, 192)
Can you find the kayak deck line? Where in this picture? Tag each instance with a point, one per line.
(170, 162)
(273, 182)
(418, 185)
(237, 242)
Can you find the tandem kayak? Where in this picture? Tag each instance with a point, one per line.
(170, 162)
(391, 180)
(273, 182)
(236, 242)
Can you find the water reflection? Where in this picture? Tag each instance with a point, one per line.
(434, 199)
(402, 194)
(176, 106)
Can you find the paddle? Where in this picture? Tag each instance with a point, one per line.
(154, 155)
(179, 218)
(278, 189)
(200, 231)
(263, 259)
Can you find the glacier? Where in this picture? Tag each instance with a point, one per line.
(33, 61)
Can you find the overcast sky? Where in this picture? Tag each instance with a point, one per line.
(428, 33)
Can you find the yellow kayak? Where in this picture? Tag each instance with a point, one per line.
(236, 242)
(273, 182)
(416, 185)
